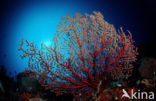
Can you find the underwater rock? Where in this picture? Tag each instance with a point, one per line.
(148, 68)
(26, 83)
(1, 88)
(36, 99)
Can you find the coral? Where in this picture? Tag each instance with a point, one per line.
(26, 96)
(86, 51)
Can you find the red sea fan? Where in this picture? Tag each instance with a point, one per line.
(86, 50)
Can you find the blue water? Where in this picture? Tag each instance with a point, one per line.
(35, 22)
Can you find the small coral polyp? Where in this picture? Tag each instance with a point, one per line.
(94, 48)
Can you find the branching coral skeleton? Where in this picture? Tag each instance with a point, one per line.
(86, 49)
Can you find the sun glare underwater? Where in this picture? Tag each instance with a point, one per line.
(37, 22)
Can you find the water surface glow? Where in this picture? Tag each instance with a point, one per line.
(37, 22)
